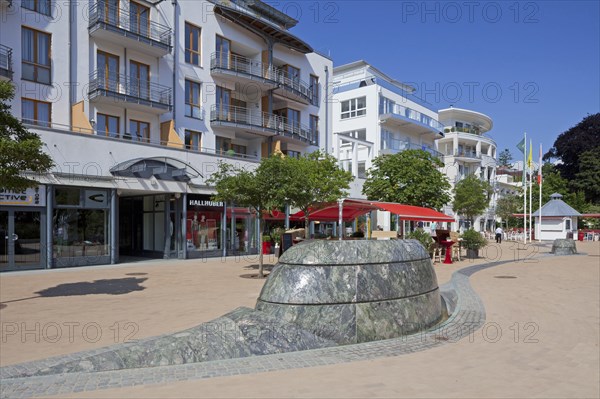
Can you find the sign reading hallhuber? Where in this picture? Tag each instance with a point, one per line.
(204, 201)
(30, 197)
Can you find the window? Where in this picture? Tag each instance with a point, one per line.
(291, 121)
(292, 73)
(41, 6)
(362, 169)
(360, 134)
(314, 89)
(568, 224)
(193, 140)
(36, 112)
(386, 106)
(353, 108)
(107, 125)
(138, 131)
(192, 44)
(223, 49)
(108, 71)
(314, 129)
(292, 153)
(36, 55)
(192, 99)
(224, 146)
(139, 80)
(139, 19)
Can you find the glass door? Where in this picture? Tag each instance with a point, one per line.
(139, 80)
(108, 71)
(21, 234)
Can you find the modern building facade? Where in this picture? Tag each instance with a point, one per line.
(374, 114)
(467, 151)
(137, 102)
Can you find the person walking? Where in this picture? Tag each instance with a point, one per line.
(499, 233)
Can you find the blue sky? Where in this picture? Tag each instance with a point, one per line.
(530, 66)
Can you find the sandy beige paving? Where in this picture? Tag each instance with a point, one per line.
(548, 317)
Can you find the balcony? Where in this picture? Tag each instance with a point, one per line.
(293, 89)
(6, 68)
(468, 156)
(243, 70)
(410, 120)
(261, 123)
(119, 26)
(394, 146)
(137, 94)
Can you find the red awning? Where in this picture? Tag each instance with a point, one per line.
(353, 208)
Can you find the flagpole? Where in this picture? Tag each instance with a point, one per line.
(541, 182)
(524, 181)
(530, 165)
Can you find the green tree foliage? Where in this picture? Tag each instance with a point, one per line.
(505, 158)
(570, 145)
(20, 149)
(471, 197)
(311, 179)
(409, 177)
(259, 189)
(507, 206)
(587, 179)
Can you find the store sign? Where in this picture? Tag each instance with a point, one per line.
(30, 197)
(204, 201)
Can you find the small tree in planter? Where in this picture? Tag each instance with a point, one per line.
(422, 236)
(473, 241)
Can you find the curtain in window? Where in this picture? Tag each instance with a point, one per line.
(27, 111)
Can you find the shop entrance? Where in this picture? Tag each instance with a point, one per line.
(21, 239)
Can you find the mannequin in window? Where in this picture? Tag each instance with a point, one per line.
(203, 233)
(195, 229)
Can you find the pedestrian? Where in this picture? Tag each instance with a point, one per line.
(499, 234)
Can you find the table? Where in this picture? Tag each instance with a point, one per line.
(447, 245)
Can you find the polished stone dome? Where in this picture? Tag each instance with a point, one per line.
(354, 291)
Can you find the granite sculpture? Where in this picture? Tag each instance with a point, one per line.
(562, 246)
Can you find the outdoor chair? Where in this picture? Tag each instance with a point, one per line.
(435, 250)
(455, 237)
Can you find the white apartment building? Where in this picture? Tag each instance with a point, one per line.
(374, 114)
(468, 151)
(136, 102)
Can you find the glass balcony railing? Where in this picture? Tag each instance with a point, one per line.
(263, 120)
(6, 68)
(242, 65)
(107, 16)
(131, 89)
(467, 154)
(395, 146)
(409, 113)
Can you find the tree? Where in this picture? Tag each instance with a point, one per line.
(507, 206)
(409, 177)
(258, 189)
(587, 179)
(505, 158)
(569, 146)
(471, 196)
(553, 183)
(311, 179)
(20, 149)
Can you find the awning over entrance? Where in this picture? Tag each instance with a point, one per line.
(162, 168)
(330, 212)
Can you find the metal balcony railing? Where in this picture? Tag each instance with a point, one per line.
(6, 68)
(415, 115)
(467, 154)
(109, 15)
(239, 64)
(264, 120)
(297, 85)
(135, 89)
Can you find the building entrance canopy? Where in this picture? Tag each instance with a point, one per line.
(162, 168)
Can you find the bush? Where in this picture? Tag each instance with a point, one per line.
(422, 236)
(266, 238)
(473, 240)
(358, 234)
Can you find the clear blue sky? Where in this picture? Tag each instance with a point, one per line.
(530, 66)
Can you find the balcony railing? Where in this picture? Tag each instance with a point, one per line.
(467, 154)
(415, 115)
(6, 68)
(298, 86)
(108, 16)
(242, 65)
(395, 146)
(471, 130)
(263, 120)
(131, 89)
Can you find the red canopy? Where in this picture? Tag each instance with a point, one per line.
(353, 208)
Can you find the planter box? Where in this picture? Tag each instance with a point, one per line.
(266, 248)
(472, 253)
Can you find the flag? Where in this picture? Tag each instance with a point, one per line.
(521, 146)
(529, 163)
(539, 176)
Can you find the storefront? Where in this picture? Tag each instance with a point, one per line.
(23, 229)
(213, 229)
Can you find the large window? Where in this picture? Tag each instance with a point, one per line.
(292, 73)
(360, 134)
(353, 108)
(35, 47)
(36, 112)
(41, 6)
(139, 80)
(223, 49)
(314, 129)
(107, 125)
(192, 99)
(193, 140)
(314, 89)
(139, 131)
(108, 71)
(192, 44)
(139, 19)
(386, 106)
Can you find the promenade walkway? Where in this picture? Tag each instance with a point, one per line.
(537, 333)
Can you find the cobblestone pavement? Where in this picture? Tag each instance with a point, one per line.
(468, 316)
